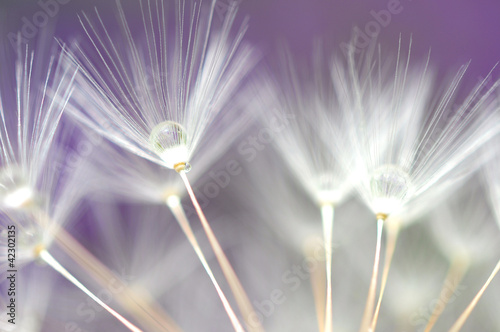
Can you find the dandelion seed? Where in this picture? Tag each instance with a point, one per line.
(42, 87)
(406, 151)
(193, 83)
(30, 200)
(390, 186)
(194, 79)
(152, 183)
(310, 144)
(27, 132)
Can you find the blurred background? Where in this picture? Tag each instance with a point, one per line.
(455, 31)
(262, 218)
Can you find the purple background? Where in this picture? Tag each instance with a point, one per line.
(456, 31)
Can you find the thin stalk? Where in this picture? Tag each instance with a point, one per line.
(370, 299)
(173, 202)
(456, 272)
(52, 262)
(392, 237)
(318, 285)
(234, 283)
(141, 307)
(463, 317)
(328, 215)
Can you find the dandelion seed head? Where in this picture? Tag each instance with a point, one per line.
(157, 91)
(304, 102)
(390, 186)
(15, 191)
(413, 120)
(18, 197)
(330, 196)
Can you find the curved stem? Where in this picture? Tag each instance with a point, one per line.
(173, 202)
(328, 214)
(52, 262)
(318, 283)
(141, 307)
(370, 300)
(392, 237)
(463, 317)
(234, 283)
(456, 272)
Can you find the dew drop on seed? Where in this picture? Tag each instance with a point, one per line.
(169, 140)
(390, 187)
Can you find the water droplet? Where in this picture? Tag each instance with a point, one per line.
(169, 140)
(390, 187)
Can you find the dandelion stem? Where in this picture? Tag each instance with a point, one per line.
(52, 262)
(392, 237)
(318, 284)
(456, 272)
(141, 307)
(234, 283)
(328, 214)
(463, 317)
(173, 202)
(370, 300)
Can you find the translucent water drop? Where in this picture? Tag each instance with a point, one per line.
(187, 167)
(390, 187)
(14, 189)
(169, 140)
